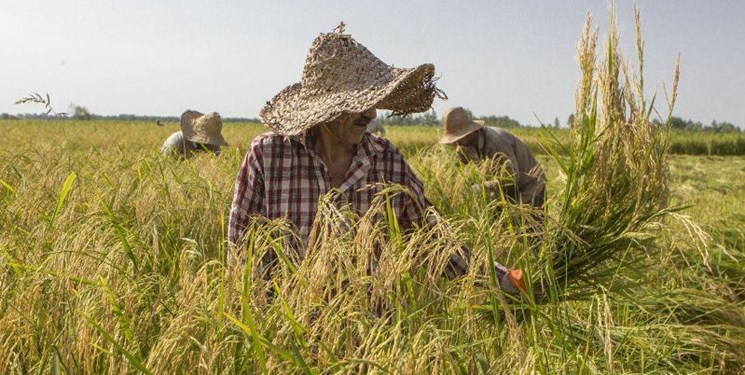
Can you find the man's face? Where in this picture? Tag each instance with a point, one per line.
(206, 147)
(467, 147)
(350, 127)
(471, 140)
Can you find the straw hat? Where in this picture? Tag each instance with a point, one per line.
(200, 128)
(341, 75)
(458, 125)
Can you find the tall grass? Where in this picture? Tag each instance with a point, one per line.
(123, 268)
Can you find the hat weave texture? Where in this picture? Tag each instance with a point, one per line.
(341, 75)
(200, 128)
(458, 125)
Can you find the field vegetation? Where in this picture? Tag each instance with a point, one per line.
(134, 258)
(113, 258)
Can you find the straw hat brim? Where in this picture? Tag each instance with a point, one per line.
(463, 132)
(214, 140)
(187, 129)
(294, 110)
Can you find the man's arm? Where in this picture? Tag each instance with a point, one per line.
(248, 198)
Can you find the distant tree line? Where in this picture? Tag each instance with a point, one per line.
(500, 121)
(690, 125)
(82, 114)
(429, 118)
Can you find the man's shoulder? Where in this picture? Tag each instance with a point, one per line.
(174, 140)
(175, 143)
(266, 144)
(267, 138)
(500, 135)
(176, 135)
(498, 131)
(271, 139)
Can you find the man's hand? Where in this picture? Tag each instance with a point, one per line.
(511, 281)
(491, 188)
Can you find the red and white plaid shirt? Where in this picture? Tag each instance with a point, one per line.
(283, 178)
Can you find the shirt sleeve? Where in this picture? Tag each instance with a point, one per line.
(173, 144)
(248, 198)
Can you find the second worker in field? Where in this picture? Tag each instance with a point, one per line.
(526, 182)
(199, 133)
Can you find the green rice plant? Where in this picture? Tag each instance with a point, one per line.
(176, 309)
(616, 173)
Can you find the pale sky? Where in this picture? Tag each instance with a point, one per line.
(513, 58)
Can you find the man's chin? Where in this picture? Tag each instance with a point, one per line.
(354, 140)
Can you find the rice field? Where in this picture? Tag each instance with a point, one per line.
(113, 258)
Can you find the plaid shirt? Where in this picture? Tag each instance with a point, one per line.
(281, 177)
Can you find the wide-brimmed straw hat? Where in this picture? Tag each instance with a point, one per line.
(200, 128)
(341, 75)
(458, 125)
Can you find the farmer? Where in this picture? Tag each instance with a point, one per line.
(318, 142)
(375, 127)
(199, 133)
(476, 142)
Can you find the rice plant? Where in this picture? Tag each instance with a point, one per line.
(45, 100)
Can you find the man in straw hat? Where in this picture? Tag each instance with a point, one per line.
(319, 143)
(477, 142)
(199, 133)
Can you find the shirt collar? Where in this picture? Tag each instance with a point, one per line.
(371, 144)
(301, 138)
